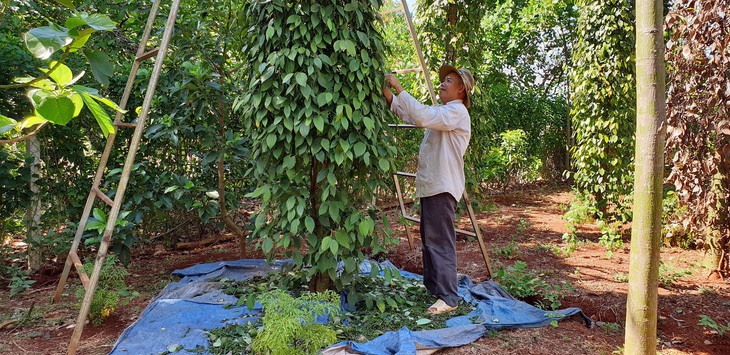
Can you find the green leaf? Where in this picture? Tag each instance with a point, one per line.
(343, 238)
(31, 121)
(54, 108)
(7, 124)
(384, 164)
(359, 149)
(423, 321)
(309, 223)
(366, 226)
(267, 245)
(251, 302)
(44, 41)
(62, 75)
(99, 22)
(325, 243)
(318, 122)
(101, 65)
(301, 79)
(102, 118)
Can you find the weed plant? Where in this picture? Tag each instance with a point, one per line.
(523, 284)
(721, 330)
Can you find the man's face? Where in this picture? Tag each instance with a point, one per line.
(451, 88)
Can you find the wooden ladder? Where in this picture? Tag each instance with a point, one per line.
(467, 201)
(90, 283)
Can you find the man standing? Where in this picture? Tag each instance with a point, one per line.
(440, 176)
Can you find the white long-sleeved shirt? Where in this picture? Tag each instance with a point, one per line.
(441, 158)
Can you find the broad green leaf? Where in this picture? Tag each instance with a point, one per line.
(95, 95)
(62, 75)
(78, 103)
(101, 65)
(359, 148)
(44, 41)
(31, 121)
(343, 238)
(384, 164)
(318, 123)
(267, 245)
(102, 118)
(309, 223)
(7, 124)
(301, 79)
(325, 243)
(57, 109)
(100, 22)
(423, 321)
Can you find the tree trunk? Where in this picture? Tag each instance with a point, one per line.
(33, 237)
(641, 304)
(718, 230)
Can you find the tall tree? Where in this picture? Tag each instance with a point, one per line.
(315, 113)
(641, 305)
(698, 117)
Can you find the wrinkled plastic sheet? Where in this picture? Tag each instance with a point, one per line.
(180, 316)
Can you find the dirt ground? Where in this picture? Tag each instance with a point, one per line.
(523, 224)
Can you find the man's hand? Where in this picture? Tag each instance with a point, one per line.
(391, 81)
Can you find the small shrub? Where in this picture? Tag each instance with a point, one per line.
(19, 281)
(106, 296)
(669, 275)
(509, 251)
(611, 327)
(721, 330)
(522, 226)
(520, 283)
(611, 237)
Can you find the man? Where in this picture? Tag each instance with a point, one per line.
(440, 175)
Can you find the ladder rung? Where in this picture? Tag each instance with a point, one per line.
(125, 124)
(147, 55)
(410, 70)
(399, 8)
(79, 268)
(400, 173)
(102, 196)
(458, 230)
(392, 125)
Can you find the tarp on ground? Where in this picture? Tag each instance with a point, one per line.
(182, 314)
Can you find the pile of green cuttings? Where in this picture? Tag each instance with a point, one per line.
(383, 304)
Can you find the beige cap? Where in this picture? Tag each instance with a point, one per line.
(466, 77)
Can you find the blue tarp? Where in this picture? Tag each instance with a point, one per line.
(180, 316)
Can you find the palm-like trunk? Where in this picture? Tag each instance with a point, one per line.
(641, 305)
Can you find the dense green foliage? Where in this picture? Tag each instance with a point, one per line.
(506, 97)
(314, 110)
(603, 111)
(189, 137)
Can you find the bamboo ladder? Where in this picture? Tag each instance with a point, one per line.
(90, 283)
(467, 201)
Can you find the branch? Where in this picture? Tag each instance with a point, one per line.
(23, 138)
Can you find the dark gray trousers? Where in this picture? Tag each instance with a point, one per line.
(439, 247)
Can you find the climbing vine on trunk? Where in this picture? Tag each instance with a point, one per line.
(316, 117)
(603, 96)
